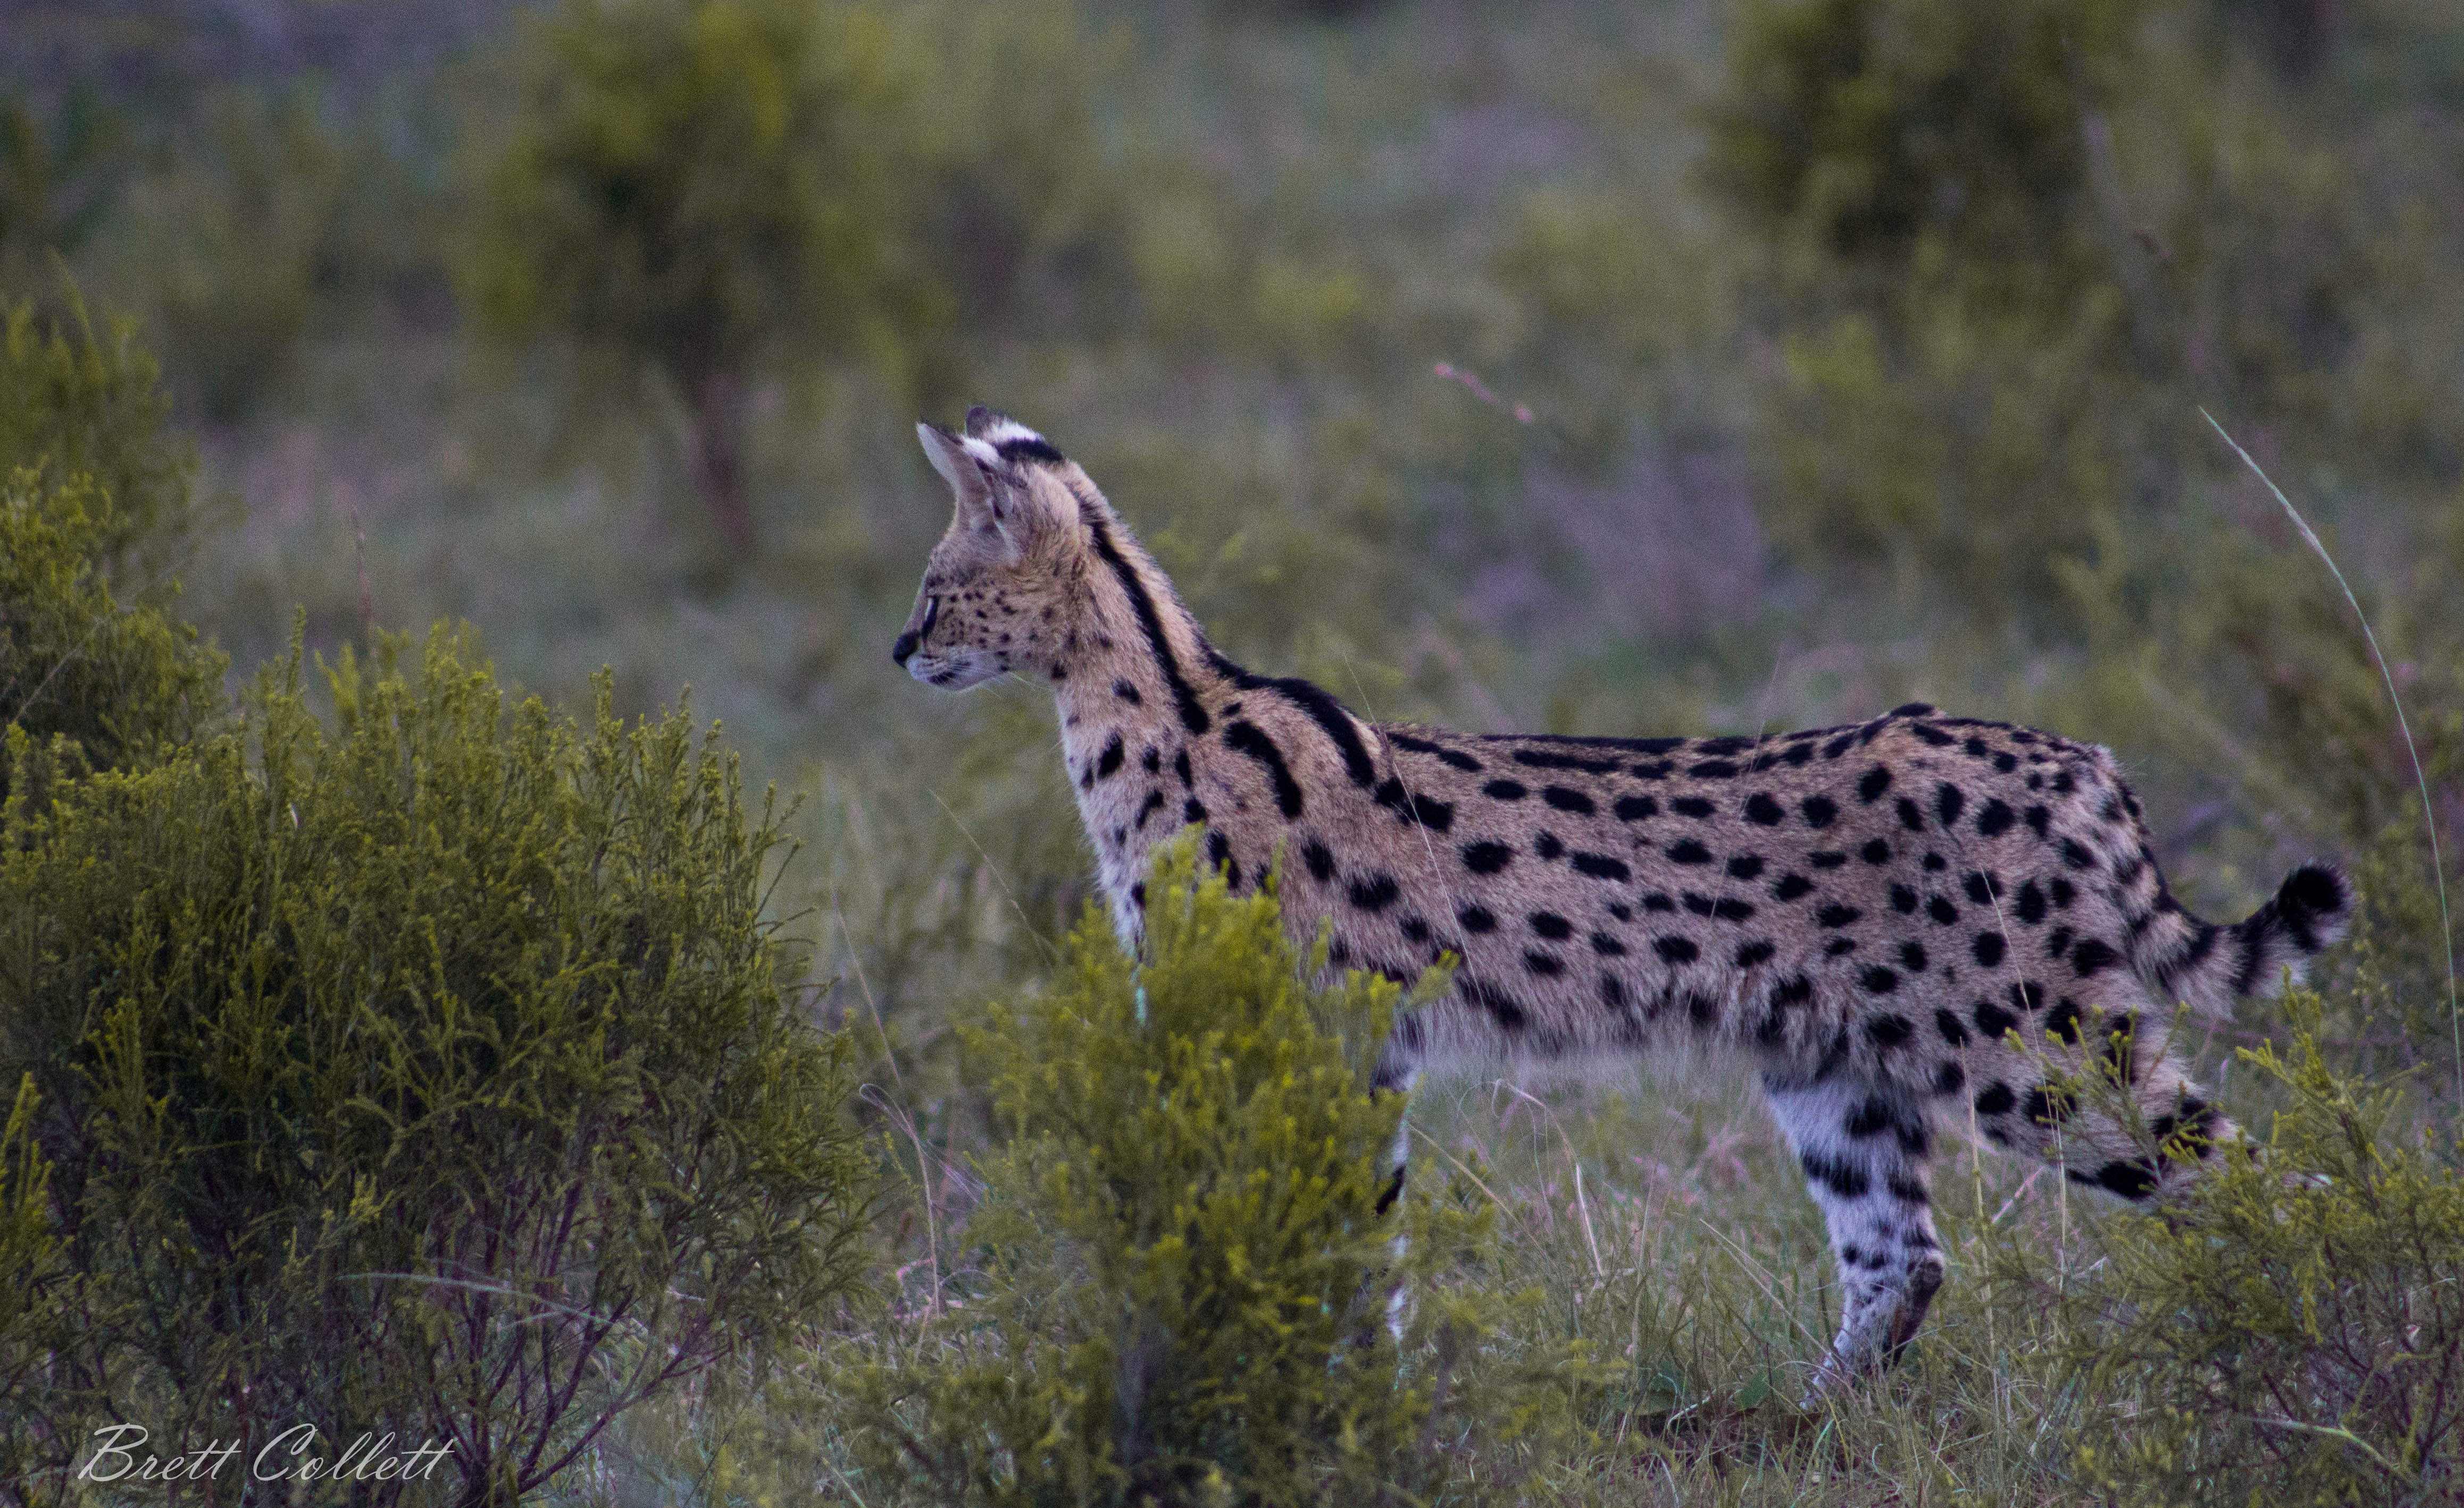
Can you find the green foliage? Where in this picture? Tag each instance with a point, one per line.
(1871, 127)
(85, 683)
(75, 404)
(266, 227)
(694, 185)
(35, 1324)
(2294, 1331)
(432, 1074)
(56, 179)
(1187, 1272)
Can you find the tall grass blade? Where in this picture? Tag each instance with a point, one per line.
(2429, 813)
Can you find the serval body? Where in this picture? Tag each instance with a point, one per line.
(1914, 923)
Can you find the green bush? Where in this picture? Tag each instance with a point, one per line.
(74, 403)
(57, 177)
(34, 1326)
(431, 1074)
(1185, 1258)
(692, 187)
(2294, 1331)
(85, 683)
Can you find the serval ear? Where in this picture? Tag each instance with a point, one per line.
(968, 466)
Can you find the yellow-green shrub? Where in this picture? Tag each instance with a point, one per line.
(431, 1074)
(1187, 1251)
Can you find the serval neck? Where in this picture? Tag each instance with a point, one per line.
(1139, 688)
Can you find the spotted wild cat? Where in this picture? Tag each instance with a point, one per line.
(1903, 923)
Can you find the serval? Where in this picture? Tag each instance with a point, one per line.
(1903, 923)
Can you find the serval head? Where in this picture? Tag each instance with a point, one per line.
(1005, 588)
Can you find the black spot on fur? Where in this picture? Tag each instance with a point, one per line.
(1878, 851)
(1953, 1029)
(1374, 892)
(1948, 1079)
(2076, 855)
(1565, 801)
(2064, 1020)
(1845, 1180)
(2048, 1104)
(1501, 1006)
(1192, 810)
(1988, 949)
(1912, 957)
(1982, 889)
(1761, 808)
(1486, 858)
(1749, 954)
(1949, 801)
(1607, 947)
(1676, 950)
(1838, 915)
(1992, 1020)
(1548, 966)
(1545, 845)
(1180, 768)
(2093, 956)
(1826, 858)
(1506, 790)
(1903, 900)
(1878, 980)
(1941, 910)
(1635, 808)
(1795, 990)
(1871, 785)
(1870, 1119)
(2133, 1180)
(1744, 866)
(1320, 859)
(1550, 926)
(2032, 904)
(1413, 807)
(1693, 806)
(1910, 818)
(1688, 852)
(1127, 692)
(1477, 919)
(1790, 886)
(1995, 818)
(1996, 1098)
(1109, 762)
(1600, 866)
(1819, 811)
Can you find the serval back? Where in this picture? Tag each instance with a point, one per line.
(1904, 923)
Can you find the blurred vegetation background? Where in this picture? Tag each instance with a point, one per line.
(1687, 365)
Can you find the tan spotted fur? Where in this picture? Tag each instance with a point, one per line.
(1913, 924)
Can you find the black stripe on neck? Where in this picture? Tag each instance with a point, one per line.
(1322, 709)
(1192, 716)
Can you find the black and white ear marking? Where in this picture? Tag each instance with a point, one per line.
(1011, 439)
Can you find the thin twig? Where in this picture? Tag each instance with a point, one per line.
(2429, 813)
